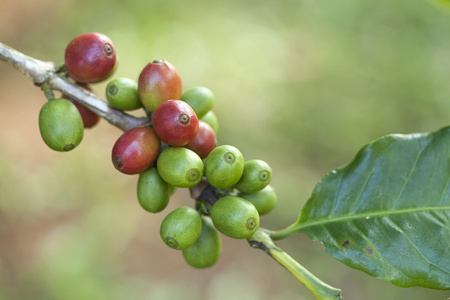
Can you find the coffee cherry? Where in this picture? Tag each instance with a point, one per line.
(90, 118)
(175, 122)
(180, 167)
(201, 99)
(122, 93)
(224, 166)
(153, 192)
(60, 125)
(235, 217)
(205, 252)
(159, 81)
(135, 150)
(211, 118)
(181, 228)
(257, 175)
(204, 141)
(264, 200)
(90, 57)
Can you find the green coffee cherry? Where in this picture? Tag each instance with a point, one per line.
(206, 250)
(235, 217)
(181, 228)
(211, 118)
(201, 99)
(61, 125)
(153, 192)
(264, 200)
(122, 93)
(257, 175)
(180, 167)
(224, 166)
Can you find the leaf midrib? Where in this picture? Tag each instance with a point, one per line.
(324, 221)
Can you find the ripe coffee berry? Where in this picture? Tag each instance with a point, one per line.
(135, 150)
(90, 119)
(204, 141)
(90, 57)
(175, 122)
(159, 81)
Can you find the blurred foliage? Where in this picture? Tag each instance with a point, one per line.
(300, 84)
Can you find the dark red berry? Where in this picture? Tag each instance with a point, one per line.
(175, 122)
(136, 150)
(159, 81)
(204, 141)
(90, 119)
(90, 57)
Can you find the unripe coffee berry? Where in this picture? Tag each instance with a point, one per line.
(205, 252)
(90, 119)
(136, 150)
(211, 118)
(159, 81)
(60, 125)
(257, 175)
(180, 167)
(175, 122)
(224, 166)
(235, 217)
(204, 141)
(90, 57)
(264, 200)
(122, 93)
(153, 192)
(201, 99)
(181, 228)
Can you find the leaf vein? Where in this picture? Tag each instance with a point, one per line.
(408, 239)
(411, 171)
(363, 187)
(304, 225)
(373, 246)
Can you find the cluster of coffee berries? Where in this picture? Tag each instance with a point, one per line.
(179, 149)
(89, 58)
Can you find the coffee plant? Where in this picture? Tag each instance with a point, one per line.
(386, 213)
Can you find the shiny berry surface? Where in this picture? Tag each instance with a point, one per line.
(159, 81)
(204, 141)
(135, 150)
(90, 57)
(175, 122)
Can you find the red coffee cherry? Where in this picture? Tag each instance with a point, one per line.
(136, 150)
(204, 141)
(175, 122)
(90, 57)
(159, 81)
(90, 119)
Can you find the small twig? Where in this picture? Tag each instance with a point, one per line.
(320, 290)
(41, 73)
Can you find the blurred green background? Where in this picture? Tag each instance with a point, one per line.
(301, 84)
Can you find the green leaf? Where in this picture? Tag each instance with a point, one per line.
(387, 213)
